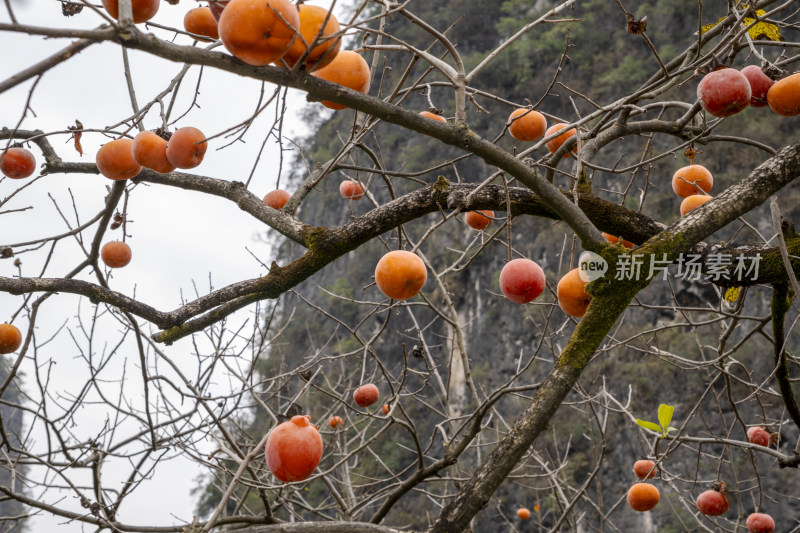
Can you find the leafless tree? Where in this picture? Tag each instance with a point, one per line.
(172, 378)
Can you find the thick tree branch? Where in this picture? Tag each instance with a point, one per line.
(322, 90)
(320, 527)
(327, 245)
(781, 303)
(610, 301)
(611, 298)
(767, 179)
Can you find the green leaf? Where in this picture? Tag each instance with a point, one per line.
(665, 414)
(649, 425)
(671, 429)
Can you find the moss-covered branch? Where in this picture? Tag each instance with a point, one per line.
(326, 245)
(781, 303)
(610, 299)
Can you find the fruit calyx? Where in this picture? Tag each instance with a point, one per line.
(300, 421)
(774, 73)
(163, 133)
(713, 65)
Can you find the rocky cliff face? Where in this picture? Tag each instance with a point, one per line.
(10, 471)
(504, 343)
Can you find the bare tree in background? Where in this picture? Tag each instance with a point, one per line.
(208, 375)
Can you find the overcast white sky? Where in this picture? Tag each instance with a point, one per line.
(177, 237)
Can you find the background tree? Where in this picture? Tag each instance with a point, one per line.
(470, 380)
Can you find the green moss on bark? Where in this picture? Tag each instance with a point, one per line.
(771, 267)
(610, 298)
(442, 184)
(312, 236)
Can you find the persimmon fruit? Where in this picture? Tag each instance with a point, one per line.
(187, 147)
(366, 395)
(433, 116)
(385, 409)
(760, 523)
(523, 513)
(522, 280)
(143, 10)
(10, 338)
(351, 190)
(784, 96)
(759, 85)
(116, 254)
(724, 92)
(312, 19)
(690, 180)
(693, 202)
(644, 469)
(614, 240)
(713, 501)
(758, 435)
(200, 21)
(643, 497)
(571, 293)
(527, 125)
(17, 163)
(400, 275)
(554, 144)
(479, 220)
(277, 199)
(348, 69)
(150, 150)
(294, 449)
(115, 160)
(258, 32)
(335, 422)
